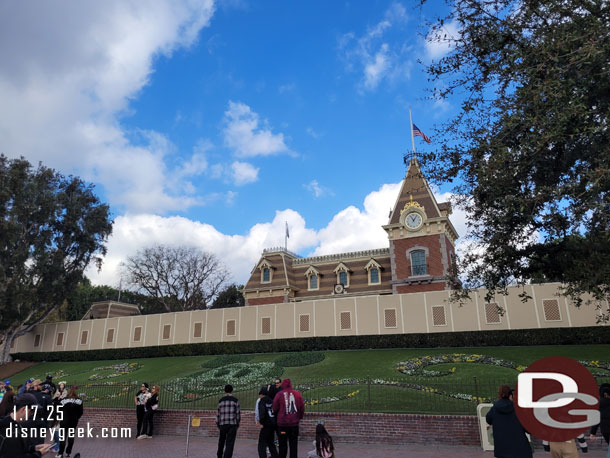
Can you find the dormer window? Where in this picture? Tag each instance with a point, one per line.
(266, 271)
(374, 272)
(374, 275)
(313, 282)
(313, 279)
(343, 274)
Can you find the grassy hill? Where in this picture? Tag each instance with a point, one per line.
(447, 380)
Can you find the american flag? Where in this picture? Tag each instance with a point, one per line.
(419, 133)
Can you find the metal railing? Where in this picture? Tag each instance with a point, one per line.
(428, 395)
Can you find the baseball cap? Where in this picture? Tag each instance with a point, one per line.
(25, 399)
(30, 380)
(7, 382)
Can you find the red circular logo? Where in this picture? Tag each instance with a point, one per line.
(557, 399)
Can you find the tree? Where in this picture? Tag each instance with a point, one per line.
(51, 228)
(231, 296)
(78, 303)
(179, 278)
(529, 151)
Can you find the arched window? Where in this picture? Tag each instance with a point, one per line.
(313, 278)
(343, 273)
(374, 273)
(418, 263)
(313, 281)
(266, 271)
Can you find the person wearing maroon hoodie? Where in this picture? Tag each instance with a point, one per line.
(289, 409)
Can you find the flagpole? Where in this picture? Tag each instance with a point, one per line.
(286, 237)
(412, 138)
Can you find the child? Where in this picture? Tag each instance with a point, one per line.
(323, 444)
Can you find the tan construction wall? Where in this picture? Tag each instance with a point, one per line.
(363, 315)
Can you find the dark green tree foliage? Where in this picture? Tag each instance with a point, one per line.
(231, 296)
(530, 148)
(79, 302)
(51, 228)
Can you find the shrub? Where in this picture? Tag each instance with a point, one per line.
(221, 372)
(300, 359)
(594, 335)
(225, 360)
(243, 372)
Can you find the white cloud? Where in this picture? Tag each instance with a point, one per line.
(351, 229)
(439, 43)
(313, 133)
(246, 138)
(317, 190)
(68, 73)
(244, 173)
(374, 56)
(239, 252)
(377, 68)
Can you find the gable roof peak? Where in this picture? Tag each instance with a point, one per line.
(415, 188)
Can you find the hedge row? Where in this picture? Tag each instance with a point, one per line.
(549, 336)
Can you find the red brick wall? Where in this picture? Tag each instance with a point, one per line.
(344, 427)
(403, 263)
(438, 286)
(266, 300)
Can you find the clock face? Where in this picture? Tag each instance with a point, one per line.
(413, 220)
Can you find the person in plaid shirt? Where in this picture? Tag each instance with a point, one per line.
(227, 421)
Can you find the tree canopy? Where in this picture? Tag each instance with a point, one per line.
(51, 228)
(231, 296)
(529, 150)
(179, 278)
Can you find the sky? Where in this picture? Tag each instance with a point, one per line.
(212, 124)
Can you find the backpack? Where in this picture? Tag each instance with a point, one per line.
(268, 417)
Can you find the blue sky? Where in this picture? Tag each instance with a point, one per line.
(211, 123)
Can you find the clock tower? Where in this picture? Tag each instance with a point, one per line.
(421, 237)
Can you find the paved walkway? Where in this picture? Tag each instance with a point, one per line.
(175, 447)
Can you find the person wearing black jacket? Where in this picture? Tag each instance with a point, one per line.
(266, 421)
(140, 400)
(149, 410)
(12, 445)
(39, 421)
(72, 408)
(604, 411)
(509, 436)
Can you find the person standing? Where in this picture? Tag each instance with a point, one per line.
(150, 407)
(6, 406)
(263, 414)
(289, 408)
(72, 408)
(227, 420)
(26, 388)
(60, 394)
(13, 441)
(509, 436)
(140, 400)
(275, 388)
